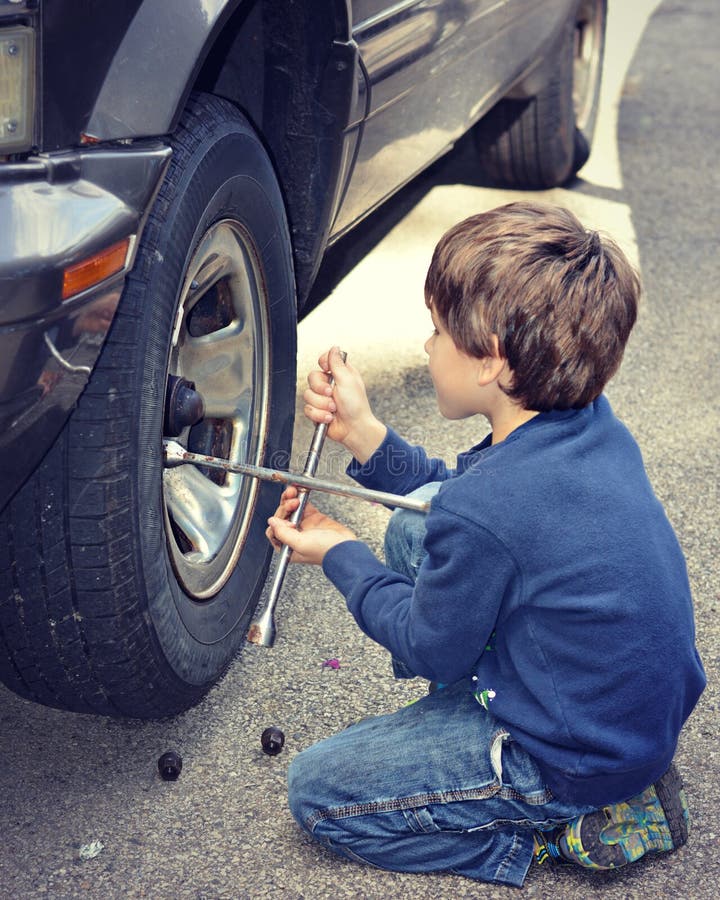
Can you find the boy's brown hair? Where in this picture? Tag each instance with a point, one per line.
(560, 299)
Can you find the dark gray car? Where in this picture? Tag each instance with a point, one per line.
(171, 175)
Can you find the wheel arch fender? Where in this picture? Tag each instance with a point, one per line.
(295, 72)
(133, 101)
(152, 72)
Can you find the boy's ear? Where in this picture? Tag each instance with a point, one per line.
(491, 367)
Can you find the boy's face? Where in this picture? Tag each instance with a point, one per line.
(454, 374)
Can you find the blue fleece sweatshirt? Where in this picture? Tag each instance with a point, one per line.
(552, 577)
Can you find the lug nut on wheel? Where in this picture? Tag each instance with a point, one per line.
(184, 406)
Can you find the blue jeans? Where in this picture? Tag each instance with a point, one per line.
(439, 785)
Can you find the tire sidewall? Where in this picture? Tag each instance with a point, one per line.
(197, 638)
(560, 151)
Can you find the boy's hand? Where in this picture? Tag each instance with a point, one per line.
(319, 532)
(345, 408)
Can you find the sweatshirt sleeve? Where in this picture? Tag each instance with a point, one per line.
(398, 467)
(439, 626)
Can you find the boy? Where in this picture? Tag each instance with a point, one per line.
(545, 590)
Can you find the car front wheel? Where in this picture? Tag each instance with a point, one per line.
(126, 587)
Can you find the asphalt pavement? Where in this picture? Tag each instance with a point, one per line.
(223, 830)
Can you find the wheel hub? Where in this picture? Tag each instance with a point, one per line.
(589, 29)
(184, 406)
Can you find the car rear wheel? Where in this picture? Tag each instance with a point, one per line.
(126, 588)
(543, 141)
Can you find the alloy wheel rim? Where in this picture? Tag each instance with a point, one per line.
(586, 59)
(219, 345)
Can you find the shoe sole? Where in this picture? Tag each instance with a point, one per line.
(671, 794)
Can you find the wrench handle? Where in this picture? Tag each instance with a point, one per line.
(262, 631)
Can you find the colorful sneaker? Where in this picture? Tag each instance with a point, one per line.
(656, 821)
(547, 846)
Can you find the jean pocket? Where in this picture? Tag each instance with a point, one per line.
(420, 820)
(517, 772)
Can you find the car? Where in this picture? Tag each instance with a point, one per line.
(171, 177)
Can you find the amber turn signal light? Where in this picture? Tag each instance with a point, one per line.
(91, 271)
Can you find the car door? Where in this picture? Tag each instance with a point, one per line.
(420, 99)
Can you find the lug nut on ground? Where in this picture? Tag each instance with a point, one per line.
(272, 740)
(170, 766)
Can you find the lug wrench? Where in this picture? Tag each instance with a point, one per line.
(262, 631)
(175, 455)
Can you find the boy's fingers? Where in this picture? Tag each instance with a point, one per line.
(286, 508)
(318, 383)
(337, 366)
(324, 362)
(332, 362)
(318, 416)
(335, 359)
(270, 535)
(283, 531)
(320, 401)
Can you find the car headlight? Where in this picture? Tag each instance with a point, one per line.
(17, 88)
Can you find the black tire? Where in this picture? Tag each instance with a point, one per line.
(544, 141)
(112, 600)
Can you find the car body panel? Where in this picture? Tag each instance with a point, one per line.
(77, 50)
(433, 67)
(74, 205)
(390, 87)
(152, 70)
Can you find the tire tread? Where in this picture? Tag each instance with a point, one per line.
(74, 622)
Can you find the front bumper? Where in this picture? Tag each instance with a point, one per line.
(55, 212)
